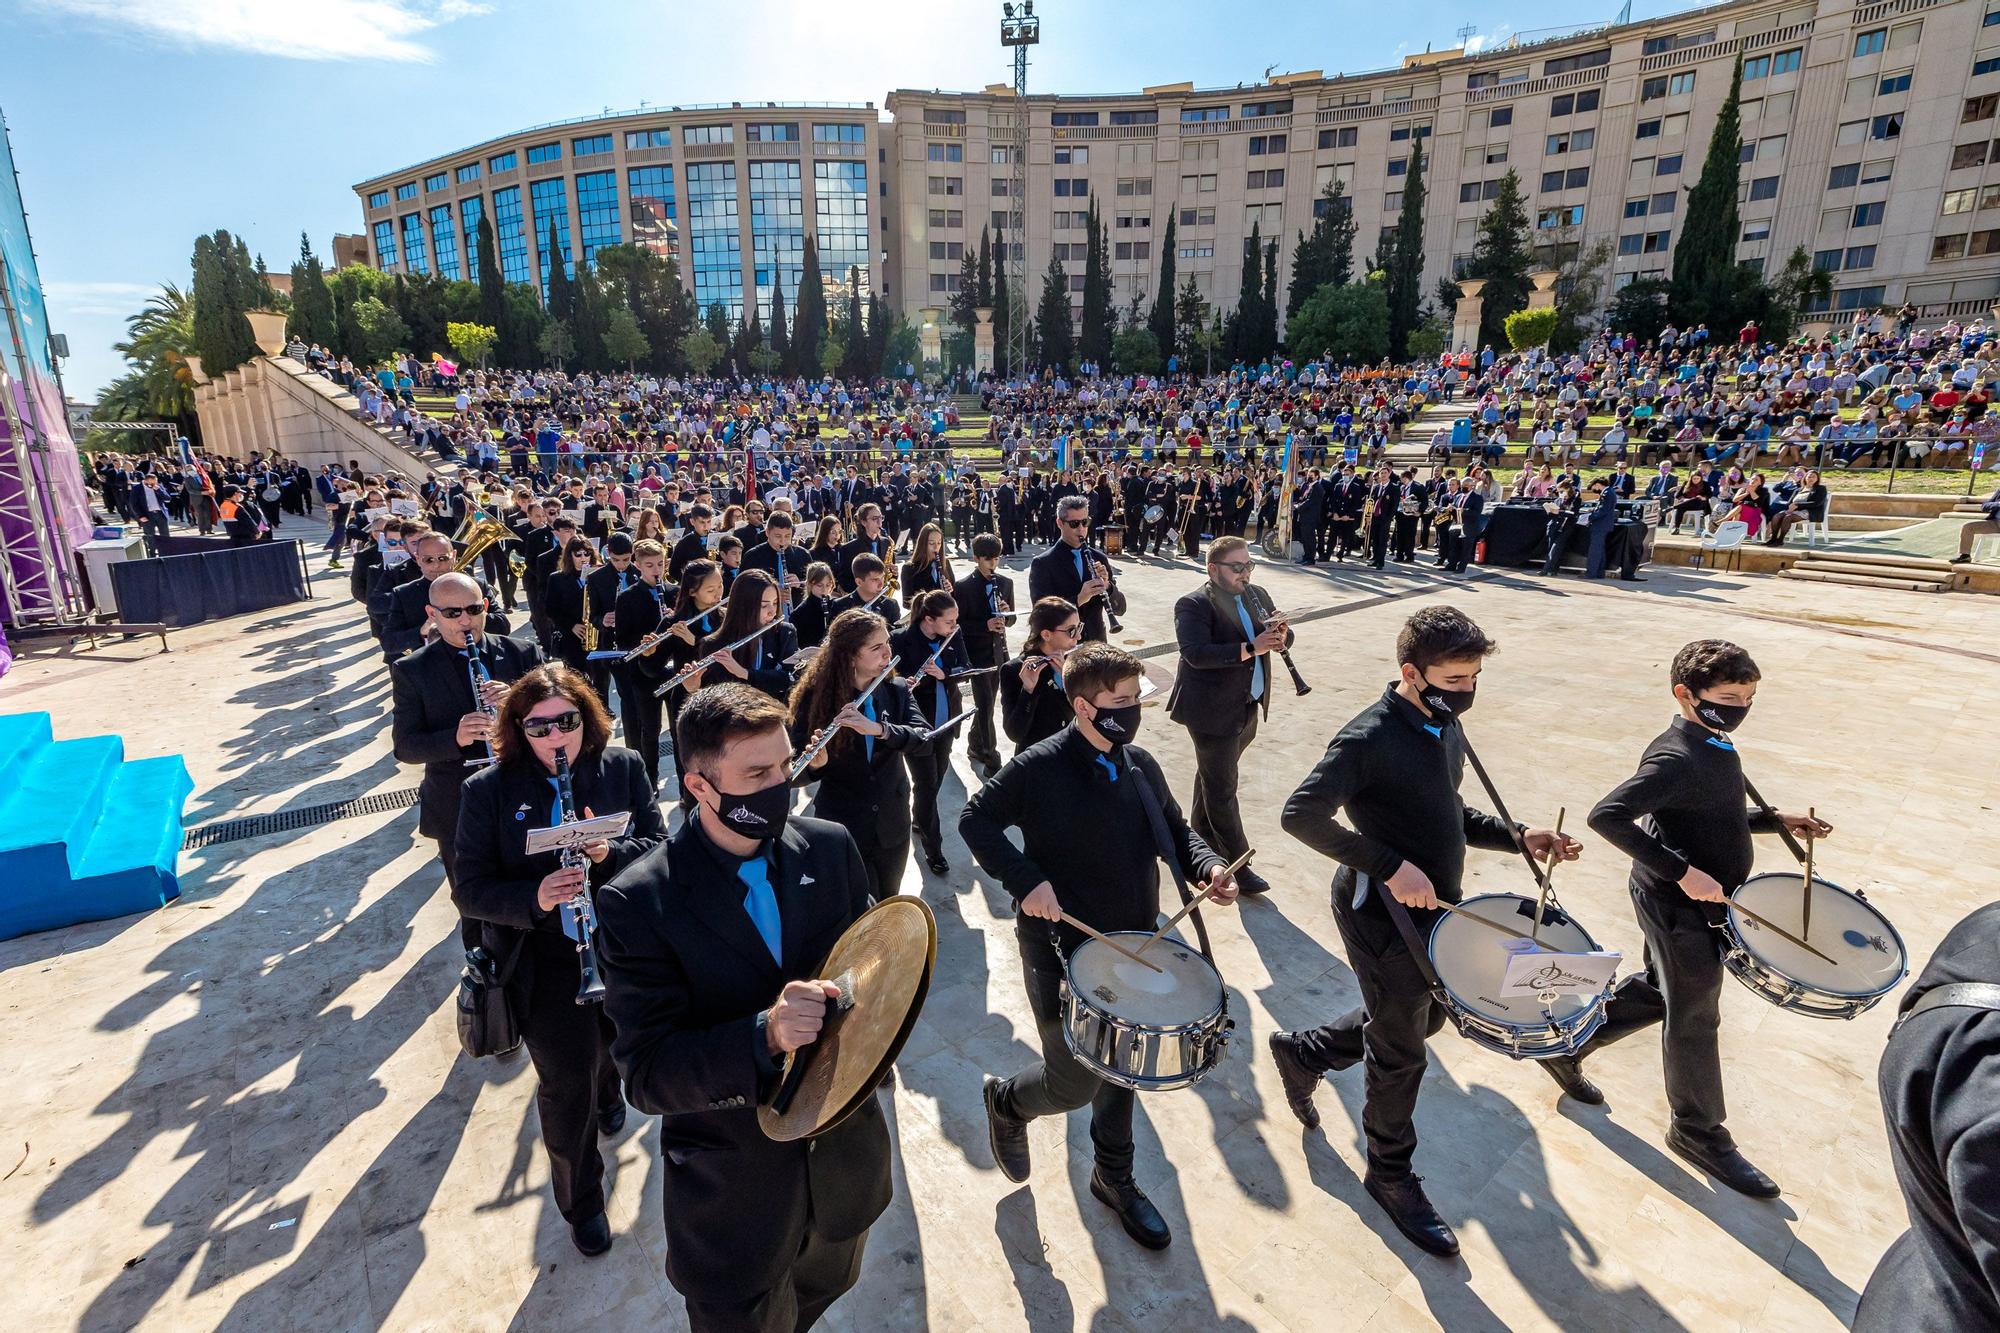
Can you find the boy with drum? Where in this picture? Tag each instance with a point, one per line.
(1683, 820)
(1085, 800)
(1395, 770)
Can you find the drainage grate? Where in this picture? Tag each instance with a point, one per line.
(311, 816)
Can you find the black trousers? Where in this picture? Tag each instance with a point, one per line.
(1404, 543)
(570, 1045)
(1346, 535)
(1191, 535)
(1059, 1083)
(1378, 542)
(1213, 813)
(1398, 1014)
(1307, 532)
(824, 1271)
(927, 773)
(639, 709)
(1682, 985)
(468, 929)
(985, 689)
(1556, 533)
(1449, 541)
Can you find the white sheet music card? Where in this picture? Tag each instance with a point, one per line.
(604, 827)
(406, 508)
(1147, 689)
(802, 656)
(1534, 971)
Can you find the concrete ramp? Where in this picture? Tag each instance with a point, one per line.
(278, 406)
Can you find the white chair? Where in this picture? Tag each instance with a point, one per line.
(1814, 530)
(1728, 536)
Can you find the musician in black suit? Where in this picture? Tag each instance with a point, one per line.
(815, 609)
(779, 557)
(870, 542)
(1384, 495)
(607, 583)
(403, 626)
(516, 900)
(1033, 706)
(1013, 507)
(564, 601)
(707, 945)
(1223, 690)
(637, 614)
(982, 596)
(753, 605)
(928, 652)
(1308, 515)
(404, 629)
(1469, 509)
(537, 539)
(693, 544)
(697, 611)
(438, 719)
(862, 780)
(1076, 573)
(870, 578)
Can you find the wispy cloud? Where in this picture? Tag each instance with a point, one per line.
(1486, 41)
(72, 299)
(295, 29)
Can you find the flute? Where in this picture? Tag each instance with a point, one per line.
(696, 668)
(936, 653)
(824, 736)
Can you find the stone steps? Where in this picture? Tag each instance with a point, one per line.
(1863, 569)
(1816, 575)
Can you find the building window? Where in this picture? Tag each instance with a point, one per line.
(1197, 184)
(436, 182)
(650, 203)
(1636, 208)
(1868, 215)
(713, 134)
(937, 117)
(1267, 180)
(597, 211)
(839, 133)
(550, 200)
(1072, 118)
(590, 147)
(1842, 177)
(1868, 43)
(1859, 256)
(1199, 250)
(1948, 247)
(379, 199)
(1764, 187)
(1262, 144)
(1827, 261)
(786, 132)
(414, 249)
(1669, 165)
(659, 138)
(1345, 137)
(1550, 218)
(715, 238)
(1586, 60)
(1984, 243)
(1575, 141)
(444, 242)
(470, 210)
(1894, 83)
(510, 233)
(1399, 167)
(503, 162)
(1564, 104)
(1135, 118)
(468, 173)
(1135, 187)
(1969, 155)
(1197, 217)
(1757, 231)
(1196, 113)
(1252, 110)
(1647, 129)
(1785, 62)
(1499, 116)
(944, 152)
(1757, 67)
(544, 152)
(1664, 203)
(385, 244)
(407, 190)
(1986, 66)
(1072, 157)
(1651, 90)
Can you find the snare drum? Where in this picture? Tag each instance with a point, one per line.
(1145, 1030)
(1471, 961)
(1154, 513)
(1868, 955)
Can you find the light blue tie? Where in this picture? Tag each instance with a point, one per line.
(868, 742)
(1109, 767)
(937, 709)
(1081, 576)
(1256, 660)
(762, 904)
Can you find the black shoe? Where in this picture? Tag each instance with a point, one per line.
(1249, 881)
(1007, 1136)
(592, 1236)
(1729, 1166)
(938, 865)
(1567, 1071)
(1141, 1220)
(1961, 560)
(611, 1119)
(1412, 1213)
(1300, 1083)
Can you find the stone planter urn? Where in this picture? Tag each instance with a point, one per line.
(268, 328)
(194, 369)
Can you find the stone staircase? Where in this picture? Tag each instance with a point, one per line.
(1911, 573)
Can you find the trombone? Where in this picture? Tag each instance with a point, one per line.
(702, 664)
(824, 736)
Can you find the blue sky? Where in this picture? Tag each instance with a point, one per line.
(137, 124)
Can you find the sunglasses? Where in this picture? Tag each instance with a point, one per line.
(538, 727)
(456, 612)
(1076, 522)
(1234, 566)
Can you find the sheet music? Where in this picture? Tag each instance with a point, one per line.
(562, 836)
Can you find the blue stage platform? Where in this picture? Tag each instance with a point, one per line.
(85, 833)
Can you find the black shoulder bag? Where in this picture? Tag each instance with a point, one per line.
(486, 1021)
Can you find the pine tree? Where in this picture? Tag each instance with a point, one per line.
(1502, 258)
(781, 337)
(1190, 314)
(560, 294)
(1406, 278)
(492, 284)
(1095, 343)
(1705, 276)
(1054, 331)
(1162, 321)
(809, 314)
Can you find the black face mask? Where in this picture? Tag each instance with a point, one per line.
(1118, 725)
(1721, 716)
(758, 814)
(1445, 704)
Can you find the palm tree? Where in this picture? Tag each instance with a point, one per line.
(159, 340)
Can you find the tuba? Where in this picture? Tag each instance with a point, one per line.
(484, 532)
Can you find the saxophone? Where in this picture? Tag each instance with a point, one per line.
(589, 625)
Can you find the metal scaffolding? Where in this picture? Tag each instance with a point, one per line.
(1019, 29)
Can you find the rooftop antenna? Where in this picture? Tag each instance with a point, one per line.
(1269, 70)
(1466, 34)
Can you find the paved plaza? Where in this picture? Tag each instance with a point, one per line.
(248, 1111)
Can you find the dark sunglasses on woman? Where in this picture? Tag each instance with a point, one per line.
(538, 727)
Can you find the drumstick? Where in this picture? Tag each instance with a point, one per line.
(1456, 910)
(1548, 875)
(1192, 903)
(1101, 938)
(1780, 930)
(1805, 882)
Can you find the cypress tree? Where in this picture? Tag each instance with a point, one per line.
(1095, 343)
(1002, 301)
(781, 337)
(1267, 303)
(854, 354)
(1705, 271)
(1161, 321)
(1054, 331)
(1501, 256)
(561, 292)
(984, 273)
(1406, 277)
(312, 301)
(492, 284)
(717, 320)
(1239, 341)
(809, 314)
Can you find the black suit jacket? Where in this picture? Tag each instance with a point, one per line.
(497, 880)
(1213, 683)
(1053, 574)
(686, 975)
(976, 595)
(871, 796)
(843, 559)
(792, 560)
(912, 651)
(1030, 717)
(884, 606)
(403, 627)
(432, 691)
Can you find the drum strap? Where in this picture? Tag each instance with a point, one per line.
(1165, 846)
(1958, 995)
(1400, 914)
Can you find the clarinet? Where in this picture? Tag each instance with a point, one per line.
(579, 912)
(1103, 563)
(1264, 610)
(475, 671)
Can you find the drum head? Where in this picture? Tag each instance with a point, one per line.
(1868, 954)
(1472, 960)
(1185, 990)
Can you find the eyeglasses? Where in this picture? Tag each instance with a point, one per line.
(1076, 522)
(538, 727)
(1067, 631)
(455, 612)
(1235, 566)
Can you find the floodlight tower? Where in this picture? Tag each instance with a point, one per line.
(1019, 29)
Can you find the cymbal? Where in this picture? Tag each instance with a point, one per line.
(882, 964)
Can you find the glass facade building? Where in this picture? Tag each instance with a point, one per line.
(840, 216)
(444, 242)
(510, 234)
(713, 236)
(415, 253)
(470, 210)
(777, 229)
(385, 243)
(597, 211)
(655, 216)
(551, 203)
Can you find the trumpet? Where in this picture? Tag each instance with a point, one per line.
(824, 736)
(695, 668)
(582, 909)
